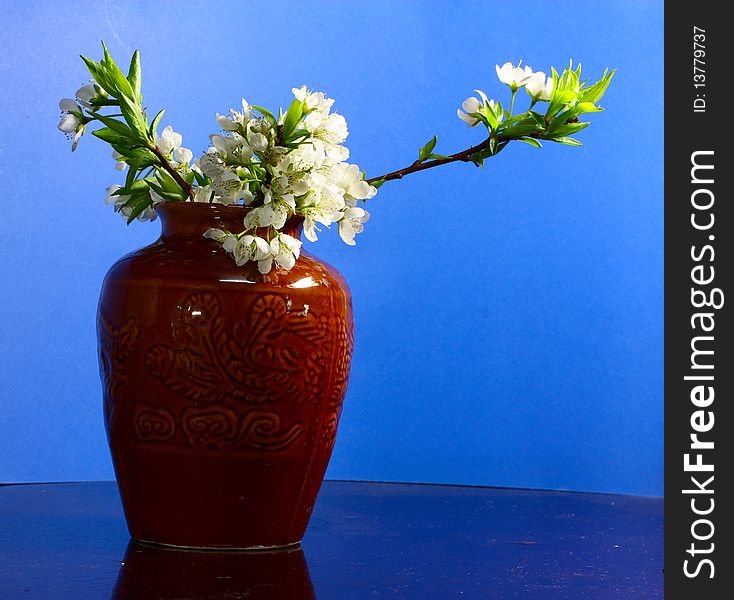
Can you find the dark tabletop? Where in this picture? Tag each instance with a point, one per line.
(365, 541)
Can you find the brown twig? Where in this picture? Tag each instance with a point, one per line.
(185, 186)
(464, 155)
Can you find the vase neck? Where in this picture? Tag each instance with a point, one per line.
(187, 221)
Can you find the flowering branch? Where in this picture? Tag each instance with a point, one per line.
(567, 96)
(295, 163)
(158, 167)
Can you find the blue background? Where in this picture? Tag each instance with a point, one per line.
(509, 320)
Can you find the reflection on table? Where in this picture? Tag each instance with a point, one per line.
(154, 572)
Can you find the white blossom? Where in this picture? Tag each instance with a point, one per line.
(119, 201)
(211, 163)
(470, 105)
(539, 87)
(155, 197)
(323, 205)
(252, 248)
(284, 250)
(237, 119)
(203, 193)
(148, 214)
(183, 155)
(232, 149)
(168, 141)
(245, 248)
(258, 134)
(331, 128)
(514, 76)
(282, 174)
(313, 101)
(111, 197)
(215, 234)
(337, 152)
(474, 105)
(226, 123)
(310, 178)
(120, 165)
(228, 188)
(89, 92)
(352, 223)
(349, 179)
(277, 207)
(73, 122)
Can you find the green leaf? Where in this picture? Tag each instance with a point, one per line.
(378, 184)
(562, 118)
(266, 113)
(132, 172)
(491, 119)
(566, 130)
(108, 75)
(167, 182)
(112, 137)
(143, 157)
(97, 72)
(510, 121)
(531, 141)
(564, 91)
(484, 120)
(292, 117)
(133, 115)
(137, 196)
(114, 81)
(538, 118)
(425, 152)
(478, 157)
(165, 194)
(99, 102)
(498, 110)
(567, 141)
(594, 93)
(522, 129)
(566, 97)
(137, 186)
(587, 107)
(116, 76)
(154, 125)
(299, 134)
(117, 126)
(107, 58)
(201, 179)
(133, 77)
(142, 204)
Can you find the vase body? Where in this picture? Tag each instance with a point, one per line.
(222, 387)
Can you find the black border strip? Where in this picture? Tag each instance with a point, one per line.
(697, 263)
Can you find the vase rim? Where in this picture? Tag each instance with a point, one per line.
(194, 219)
(201, 206)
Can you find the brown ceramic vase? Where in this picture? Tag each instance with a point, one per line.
(222, 386)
